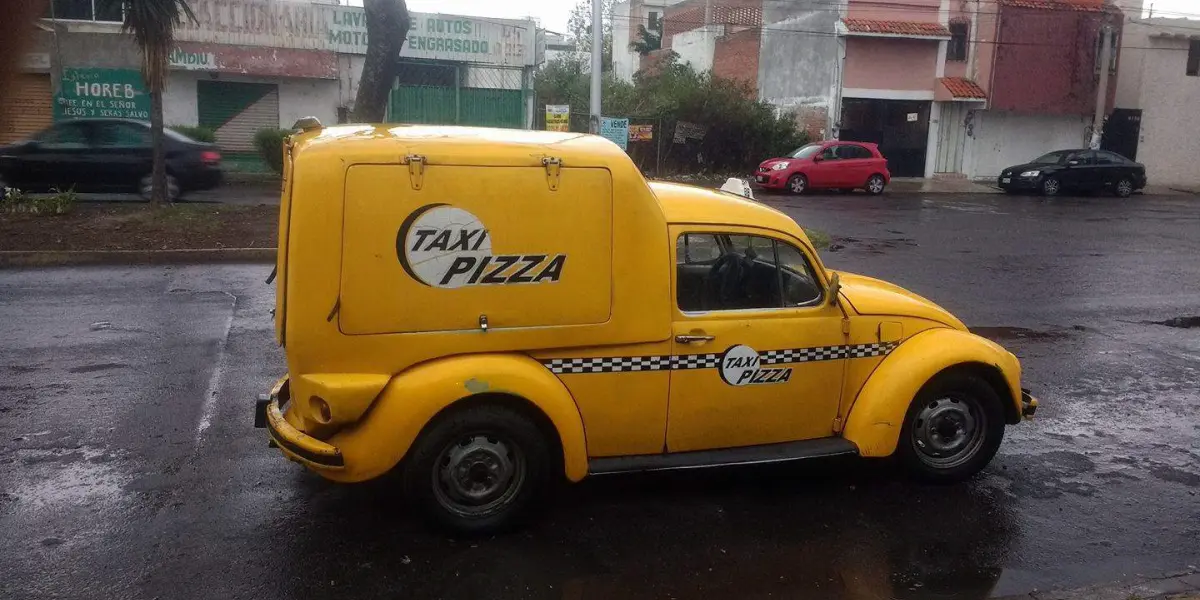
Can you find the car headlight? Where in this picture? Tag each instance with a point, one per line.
(779, 166)
(1031, 173)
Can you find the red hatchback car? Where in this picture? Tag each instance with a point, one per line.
(831, 164)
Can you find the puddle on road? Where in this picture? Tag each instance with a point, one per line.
(1178, 322)
(1021, 333)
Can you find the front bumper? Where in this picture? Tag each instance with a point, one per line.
(770, 179)
(1018, 183)
(295, 444)
(1029, 404)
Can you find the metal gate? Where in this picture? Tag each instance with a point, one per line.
(952, 137)
(27, 108)
(237, 110)
(1122, 131)
(900, 127)
(460, 94)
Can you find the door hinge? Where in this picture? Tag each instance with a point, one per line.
(416, 170)
(837, 425)
(845, 326)
(553, 170)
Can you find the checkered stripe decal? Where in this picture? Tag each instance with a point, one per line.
(684, 362)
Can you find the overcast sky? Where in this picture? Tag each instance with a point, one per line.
(553, 13)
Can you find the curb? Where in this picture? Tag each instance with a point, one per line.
(54, 258)
(1183, 585)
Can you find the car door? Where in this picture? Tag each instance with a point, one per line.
(757, 352)
(122, 154)
(856, 165)
(1078, 173)
(56, 157)
(1111, 168)
(823, 172)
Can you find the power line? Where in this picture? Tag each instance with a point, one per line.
(902, 8)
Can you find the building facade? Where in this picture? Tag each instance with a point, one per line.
(1157, 120)
(243, 65)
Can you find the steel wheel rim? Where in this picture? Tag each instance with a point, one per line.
(147, 187)
(1050, 186)
(797, 184)
(1124, 187)
(876, 184)
(478, 474)
(949, 431)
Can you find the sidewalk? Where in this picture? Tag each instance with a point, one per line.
(938, 185)
(1183, 585)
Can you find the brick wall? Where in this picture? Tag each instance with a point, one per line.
(689, 15)
(736, 55)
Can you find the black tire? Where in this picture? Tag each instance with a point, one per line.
(484, 433)
(1123, 188)
(875, 185)
(174, 190)
(797, 184)
(940, 405)
(1051, 186)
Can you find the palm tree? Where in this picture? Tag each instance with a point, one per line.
(152, 23)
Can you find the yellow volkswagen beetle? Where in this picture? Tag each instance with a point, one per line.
(485, 310)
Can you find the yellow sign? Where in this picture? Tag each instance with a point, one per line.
(558, 117)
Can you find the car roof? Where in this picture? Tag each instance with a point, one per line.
(691, 204)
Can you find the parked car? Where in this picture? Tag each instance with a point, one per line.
(107, 155)
(477, 336)
(827, 165)
(1075, 170)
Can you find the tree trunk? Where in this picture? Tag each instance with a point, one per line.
(159, 173)
(387, 26)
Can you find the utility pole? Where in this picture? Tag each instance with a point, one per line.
(597, 63)
(1106, 50)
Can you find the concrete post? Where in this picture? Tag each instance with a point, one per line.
(1102, 90)
(597, 62)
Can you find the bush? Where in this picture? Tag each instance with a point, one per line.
(269, 142)
(740, 131)
(200, 134)
(58, 202)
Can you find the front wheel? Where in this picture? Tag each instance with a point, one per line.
(797, 183)
(875, 185)
(952, 429)
(1124, 188)
(478, 469)
(1051, 186)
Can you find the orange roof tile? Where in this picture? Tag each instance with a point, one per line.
(1068, 5)
(915, 28)
(961, 87)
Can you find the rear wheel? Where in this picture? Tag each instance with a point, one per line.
(797, 183)
(875, 184)
(952, 429)
(478, 469)
(1051, 186)
(1124, 188)
(146, 188)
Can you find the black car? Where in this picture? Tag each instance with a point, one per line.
(107, 155)
(1075, 170)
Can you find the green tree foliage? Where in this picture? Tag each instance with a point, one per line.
(579, 25)
(270, 146)
(647, 41)
(198, 133)
(741, 131)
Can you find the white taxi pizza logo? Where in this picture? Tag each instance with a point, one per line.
(742, 365)
(447, 247)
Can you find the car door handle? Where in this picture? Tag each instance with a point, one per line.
(694, 339)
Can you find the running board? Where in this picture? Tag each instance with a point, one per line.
(747, 455)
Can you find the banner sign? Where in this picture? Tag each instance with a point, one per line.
(343, 29)
(558, 117)
(253, 60)
(641, 133)
(685, 131)
(616, 130)
(89, 93)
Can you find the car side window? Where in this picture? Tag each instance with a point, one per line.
(64, 137)
(829, 153)
(859, 152)
(1079, 158)
(740, 272)
(1109, 158)
(121, 135)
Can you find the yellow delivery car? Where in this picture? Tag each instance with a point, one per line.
(486, 310)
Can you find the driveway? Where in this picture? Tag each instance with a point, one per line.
(129, 466)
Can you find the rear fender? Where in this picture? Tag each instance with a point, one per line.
(379, 441)
(877, 415)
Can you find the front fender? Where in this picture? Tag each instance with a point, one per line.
(877, 415)
(383, 436)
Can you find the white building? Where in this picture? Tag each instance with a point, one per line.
(1158, 99)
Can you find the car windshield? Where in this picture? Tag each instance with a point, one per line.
(805, 151)
(1053, 158)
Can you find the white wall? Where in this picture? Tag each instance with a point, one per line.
(1169, 141)
(696, 47)
(307, 98)
(625, 61)
(349, 71)
(1003, 139)
(179, 98)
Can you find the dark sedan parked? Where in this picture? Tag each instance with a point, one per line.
(107, 155)
(1075, 170)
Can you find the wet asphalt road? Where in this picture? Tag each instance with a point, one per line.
(129, 467)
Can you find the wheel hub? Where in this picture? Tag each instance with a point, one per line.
(476, 471)
(947, 432)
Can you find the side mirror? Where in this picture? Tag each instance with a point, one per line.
(835, 287)
(818, 158)
(1072, 163)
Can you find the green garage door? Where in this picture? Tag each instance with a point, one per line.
(434, 105)
(236, 111)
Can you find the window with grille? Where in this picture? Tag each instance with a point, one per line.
(959, 33)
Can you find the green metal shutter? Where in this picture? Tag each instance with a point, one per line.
(491, 108)
(237, 110)
(465, 106)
